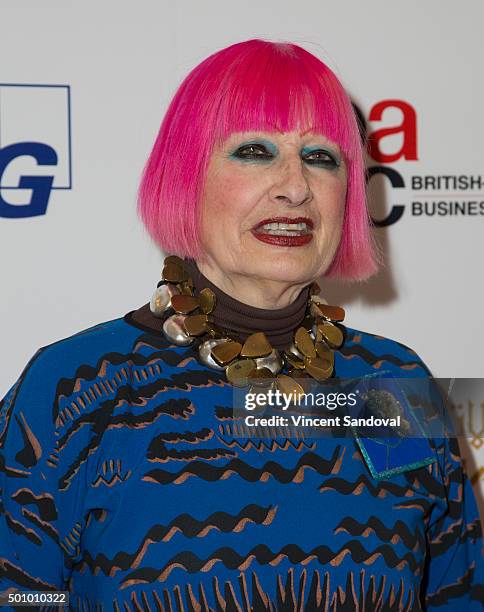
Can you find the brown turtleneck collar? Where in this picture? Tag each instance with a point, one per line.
(243, 319)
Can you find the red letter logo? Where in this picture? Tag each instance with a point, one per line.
(408, 128)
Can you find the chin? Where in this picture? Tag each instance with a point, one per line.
(284, 270)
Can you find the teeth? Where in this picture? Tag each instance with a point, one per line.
(285, 229)
(284, 233)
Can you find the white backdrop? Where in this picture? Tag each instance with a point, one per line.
(116, 65)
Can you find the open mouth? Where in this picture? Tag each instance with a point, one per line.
(283, 231)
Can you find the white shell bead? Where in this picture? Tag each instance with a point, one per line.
(273, 361)
(174, 330)
(293, 350)
(161, 299)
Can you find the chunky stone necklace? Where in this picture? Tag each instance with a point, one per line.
(187, 319)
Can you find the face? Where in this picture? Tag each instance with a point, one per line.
(273, 205)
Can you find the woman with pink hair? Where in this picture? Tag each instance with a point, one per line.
(131, 477)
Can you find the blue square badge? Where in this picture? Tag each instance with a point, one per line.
(396, 410)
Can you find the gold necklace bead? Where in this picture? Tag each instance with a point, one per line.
(290, 387)
(184, 303)
(205, 349)
(330, 313)
(174, 273)
(256, 345)
(185, 288)
(325, 352)
(329, 333)
(304, 379)
(318, 368)
(238, 372)
(207, 300)
(196, 325)
(226, 352)
(260, 377)
(304, 342)
(174, 259)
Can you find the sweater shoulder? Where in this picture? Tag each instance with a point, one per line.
(109, 336)
(380, 352)
(112, 341)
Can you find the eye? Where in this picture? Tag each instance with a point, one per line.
(320, 157)
(253, 151)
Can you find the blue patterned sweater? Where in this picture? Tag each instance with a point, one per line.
(123, 482)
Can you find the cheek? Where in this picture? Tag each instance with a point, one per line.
(333, 202)
(226, 199)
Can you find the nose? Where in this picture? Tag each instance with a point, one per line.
(291, 185)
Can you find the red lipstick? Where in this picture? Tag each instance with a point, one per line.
(285, 236)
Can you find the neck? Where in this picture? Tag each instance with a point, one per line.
(245, 318)
(258, 292)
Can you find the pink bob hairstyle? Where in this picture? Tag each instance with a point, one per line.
(255, 85)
